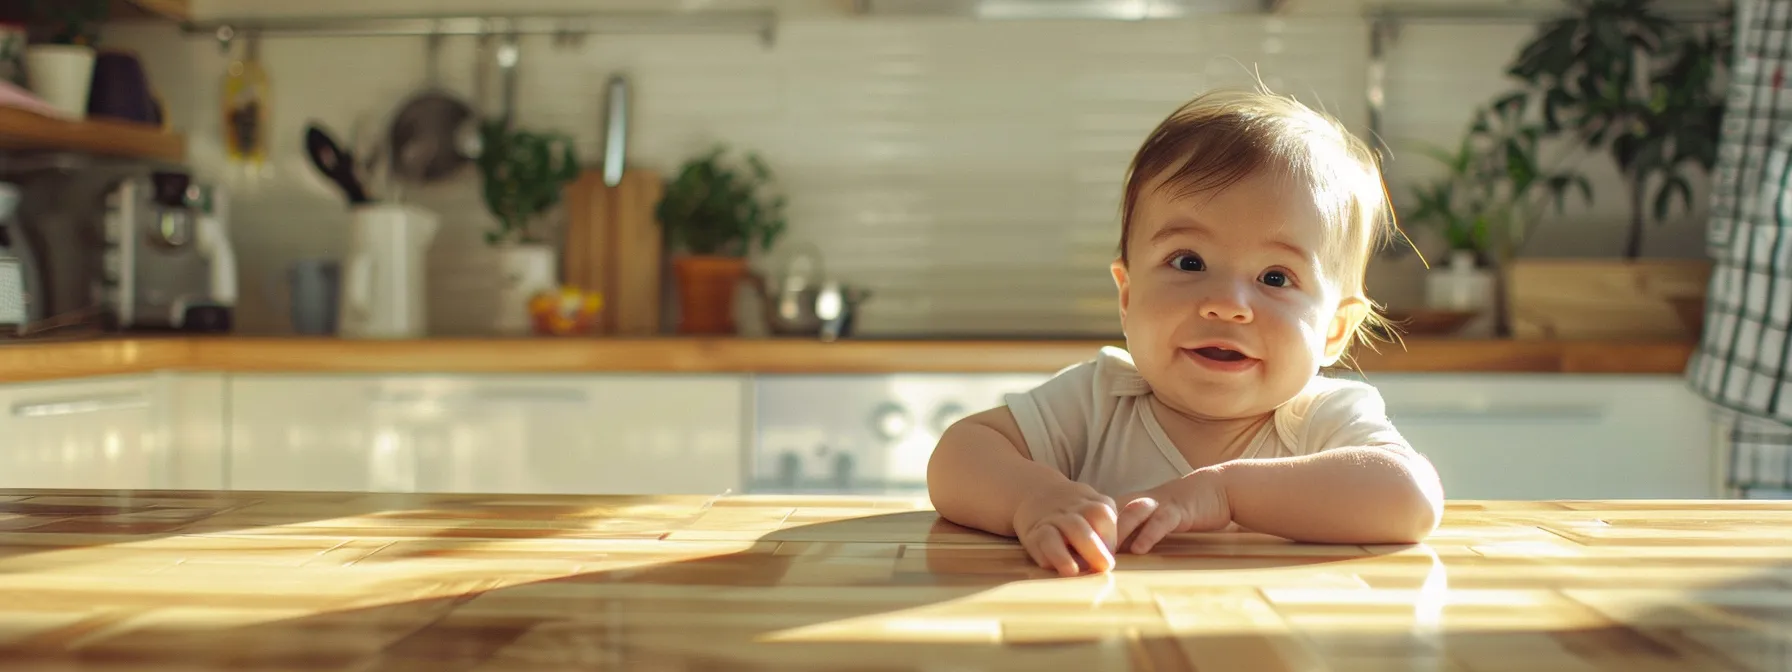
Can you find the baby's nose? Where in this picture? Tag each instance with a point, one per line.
(1226, 306)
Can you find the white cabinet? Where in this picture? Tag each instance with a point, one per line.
(622, 434)
(1556, 436)
(316, 433)
(156, 431)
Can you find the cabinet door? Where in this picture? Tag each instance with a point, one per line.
(96, 433)
(621, 434)
(604, 434)
(325, 432)
(1555, 436)
(193, 425)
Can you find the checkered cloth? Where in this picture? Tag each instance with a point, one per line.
(1744, 358)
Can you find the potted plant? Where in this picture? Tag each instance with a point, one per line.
(715, 213)
(523, 174)
(1617, 79)
(1494, 190)
(61, 71)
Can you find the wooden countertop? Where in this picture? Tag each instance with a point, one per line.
(238, 580)
(45, 361)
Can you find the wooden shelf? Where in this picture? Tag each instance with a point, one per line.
(29, 131)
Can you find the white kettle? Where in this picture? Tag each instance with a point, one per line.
(383, 281)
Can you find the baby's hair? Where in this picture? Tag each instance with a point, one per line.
(1223, 136)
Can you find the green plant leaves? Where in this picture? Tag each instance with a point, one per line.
(711, 207)
(524, 174)
(78, 21)
(1617, 78)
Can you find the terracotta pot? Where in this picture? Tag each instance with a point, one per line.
(706, 286)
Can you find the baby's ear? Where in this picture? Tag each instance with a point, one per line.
(1349, 316)
(1121, 283)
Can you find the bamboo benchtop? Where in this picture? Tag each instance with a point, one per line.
(314, 581)
(43, 361)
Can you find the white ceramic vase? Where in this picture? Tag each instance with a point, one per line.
(523, 271)
(62, 75)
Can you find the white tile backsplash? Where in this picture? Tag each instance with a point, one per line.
(968, 172)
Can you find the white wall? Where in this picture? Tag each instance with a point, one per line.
(969, 172)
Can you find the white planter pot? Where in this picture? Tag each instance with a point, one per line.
(523, 271)
(1462, 285)
(62, 75)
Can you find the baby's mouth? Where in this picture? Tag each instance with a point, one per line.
(1220, 354)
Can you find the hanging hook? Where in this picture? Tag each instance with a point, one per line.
(225, 34)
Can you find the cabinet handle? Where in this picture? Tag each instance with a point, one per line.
(525, 394)
(44, 409)
(491, 395)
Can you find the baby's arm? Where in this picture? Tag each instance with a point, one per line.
(1350, 495)
(981, 476)
(980, 472)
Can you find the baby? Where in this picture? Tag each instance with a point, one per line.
(1246, 230)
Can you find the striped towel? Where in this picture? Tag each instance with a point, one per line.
(1742, 362)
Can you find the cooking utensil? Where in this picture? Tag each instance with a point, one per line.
(434, 133)
(804, 301)
(614, 248)
(509, 53)
(615, 130)
(335, 163)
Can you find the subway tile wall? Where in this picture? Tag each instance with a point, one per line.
(968, 172)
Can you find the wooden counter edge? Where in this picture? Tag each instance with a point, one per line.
(49, 361)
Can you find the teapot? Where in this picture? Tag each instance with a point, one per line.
(801, 300)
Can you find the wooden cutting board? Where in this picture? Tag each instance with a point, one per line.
(613, 247)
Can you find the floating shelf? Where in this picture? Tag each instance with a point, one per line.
(22, 130)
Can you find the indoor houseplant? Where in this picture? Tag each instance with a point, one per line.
(523, 174)
(715, 213)
(61, 70)
(1619, 80)
(1495, 187)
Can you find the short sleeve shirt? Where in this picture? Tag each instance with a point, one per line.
(1094, 423)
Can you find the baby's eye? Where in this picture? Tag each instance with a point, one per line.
(1187, 262)
(1275, 278)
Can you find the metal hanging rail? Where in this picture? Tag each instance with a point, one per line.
(566, 26)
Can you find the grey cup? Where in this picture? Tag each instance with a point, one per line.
(314, 286)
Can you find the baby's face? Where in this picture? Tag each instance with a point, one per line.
(1227, 308)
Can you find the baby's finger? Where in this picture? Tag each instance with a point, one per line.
(1088, 544)
(1134, 514)
(1051, 547)
(1027, 546)
(1103, 520)
(1162, 522)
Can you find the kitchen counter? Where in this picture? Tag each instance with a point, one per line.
(236, 580)
(43, 361)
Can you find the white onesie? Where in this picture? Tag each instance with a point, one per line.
(1093, 422)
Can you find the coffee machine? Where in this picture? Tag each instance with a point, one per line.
(166, 261)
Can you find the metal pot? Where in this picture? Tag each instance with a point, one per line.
(803, 301)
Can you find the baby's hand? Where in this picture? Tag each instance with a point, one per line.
(1193, 503)
(1066, 521)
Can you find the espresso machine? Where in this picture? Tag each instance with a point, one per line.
(166, 260)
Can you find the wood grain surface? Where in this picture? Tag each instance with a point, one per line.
(23, 361)
(96, 580)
